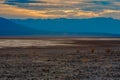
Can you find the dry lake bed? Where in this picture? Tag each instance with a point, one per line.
(60, 59)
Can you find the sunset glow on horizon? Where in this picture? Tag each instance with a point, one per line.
(59, 8)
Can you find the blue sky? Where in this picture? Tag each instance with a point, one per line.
(59, 8)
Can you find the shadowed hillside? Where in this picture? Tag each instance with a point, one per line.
(92, 25)
(9, 28)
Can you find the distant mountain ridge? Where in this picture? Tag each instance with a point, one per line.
(8, 28)
(93, 27)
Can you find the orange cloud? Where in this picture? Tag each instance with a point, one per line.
(87, 14)
(21, 12)
(17, 12)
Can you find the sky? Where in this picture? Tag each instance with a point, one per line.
(59, 8)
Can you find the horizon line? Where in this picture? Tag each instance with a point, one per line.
(60, 18)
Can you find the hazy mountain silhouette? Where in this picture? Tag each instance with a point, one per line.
(94, 27)
(9, 28)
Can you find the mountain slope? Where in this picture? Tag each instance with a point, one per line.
(92, 25)
(9, 28)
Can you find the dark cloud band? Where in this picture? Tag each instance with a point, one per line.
(23, 1)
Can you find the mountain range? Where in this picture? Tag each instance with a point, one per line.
(92, 27)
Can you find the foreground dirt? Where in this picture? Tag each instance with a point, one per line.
(96, 61)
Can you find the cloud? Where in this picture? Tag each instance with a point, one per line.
(110, 13)
(101, 2)
(23, 1)
(14, 12)
(2, 1)
(42, 3)
(59, 8)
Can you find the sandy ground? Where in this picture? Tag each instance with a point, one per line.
(59, 59)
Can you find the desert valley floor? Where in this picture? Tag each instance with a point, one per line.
(60, 59)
